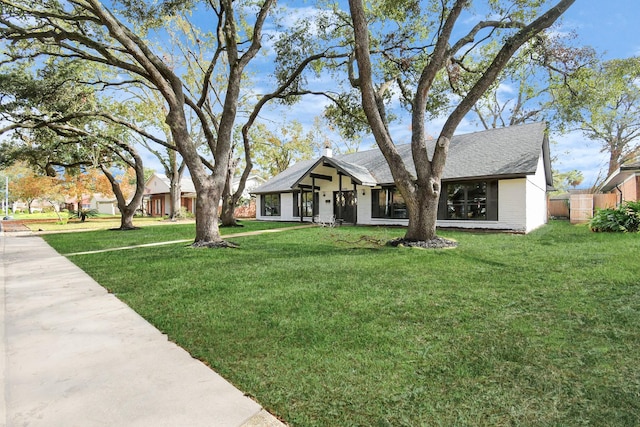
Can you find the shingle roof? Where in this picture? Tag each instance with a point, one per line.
(284, 181)
(186, 184)
(512, 151)
(631, 165)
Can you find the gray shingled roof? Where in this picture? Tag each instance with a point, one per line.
(513, 151)
(631, 165)
(186, 184)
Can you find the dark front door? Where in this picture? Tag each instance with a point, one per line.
(344, 206)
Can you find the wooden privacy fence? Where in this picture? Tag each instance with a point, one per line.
(559, 208)
(582, 206)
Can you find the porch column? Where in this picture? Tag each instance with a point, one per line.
(355, 200)
(313, 199)
(339, 196)
(300, 207)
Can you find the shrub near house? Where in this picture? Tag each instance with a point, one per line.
(624, 218)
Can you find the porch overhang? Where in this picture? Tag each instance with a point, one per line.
(619, 176)
(358, 174)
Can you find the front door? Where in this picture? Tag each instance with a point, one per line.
(344, 206)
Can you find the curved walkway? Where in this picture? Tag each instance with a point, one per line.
(172, 242)
(72, 354)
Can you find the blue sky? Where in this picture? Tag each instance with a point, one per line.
(611, 27)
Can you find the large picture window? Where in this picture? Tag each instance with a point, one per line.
(476, 200)
(309, 203)
(270, 205)
(467, 201)
(388, 203)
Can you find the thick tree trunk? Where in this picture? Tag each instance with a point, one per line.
(207, 230)
(229, 200)
(227, 215)
(126, 218)
(614, 159)
(128, 210)
(423, 216)
(175, 192)
(174, 172)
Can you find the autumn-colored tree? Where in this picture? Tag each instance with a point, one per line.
(30, 187)
(80, 183)
(126, 180)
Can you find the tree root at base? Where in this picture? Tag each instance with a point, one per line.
(222, 244)
(435, 243)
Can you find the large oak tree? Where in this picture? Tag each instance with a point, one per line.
(603, 102)
(443, 50)
(89, 30)
(59, 126)
(118, 37)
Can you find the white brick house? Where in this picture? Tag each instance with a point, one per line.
(496, 179)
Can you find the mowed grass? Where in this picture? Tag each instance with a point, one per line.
(324, 327)
(104, 238)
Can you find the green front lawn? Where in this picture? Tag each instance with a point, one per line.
(104, 238)
(324, 327)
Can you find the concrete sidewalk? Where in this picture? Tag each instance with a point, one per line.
(72, 354)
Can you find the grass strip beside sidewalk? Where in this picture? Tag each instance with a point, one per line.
(325, 327)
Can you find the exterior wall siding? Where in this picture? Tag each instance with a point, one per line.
(512, 204)
(536, 199)
(522, 204)
(630, 189)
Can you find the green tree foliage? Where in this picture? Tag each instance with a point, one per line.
(56, 121)
(562, 181)
(117, 35)
(603, 102)
(412, 53)
(522, 92)
(275, 151)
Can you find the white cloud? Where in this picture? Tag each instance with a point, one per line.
(574, 151)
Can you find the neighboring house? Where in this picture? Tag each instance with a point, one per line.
(157, 202)
(71, 203)
(624, 182)
(253, 182)
(37, 205)
(104, 205)
(496, 179)
(156, 195)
